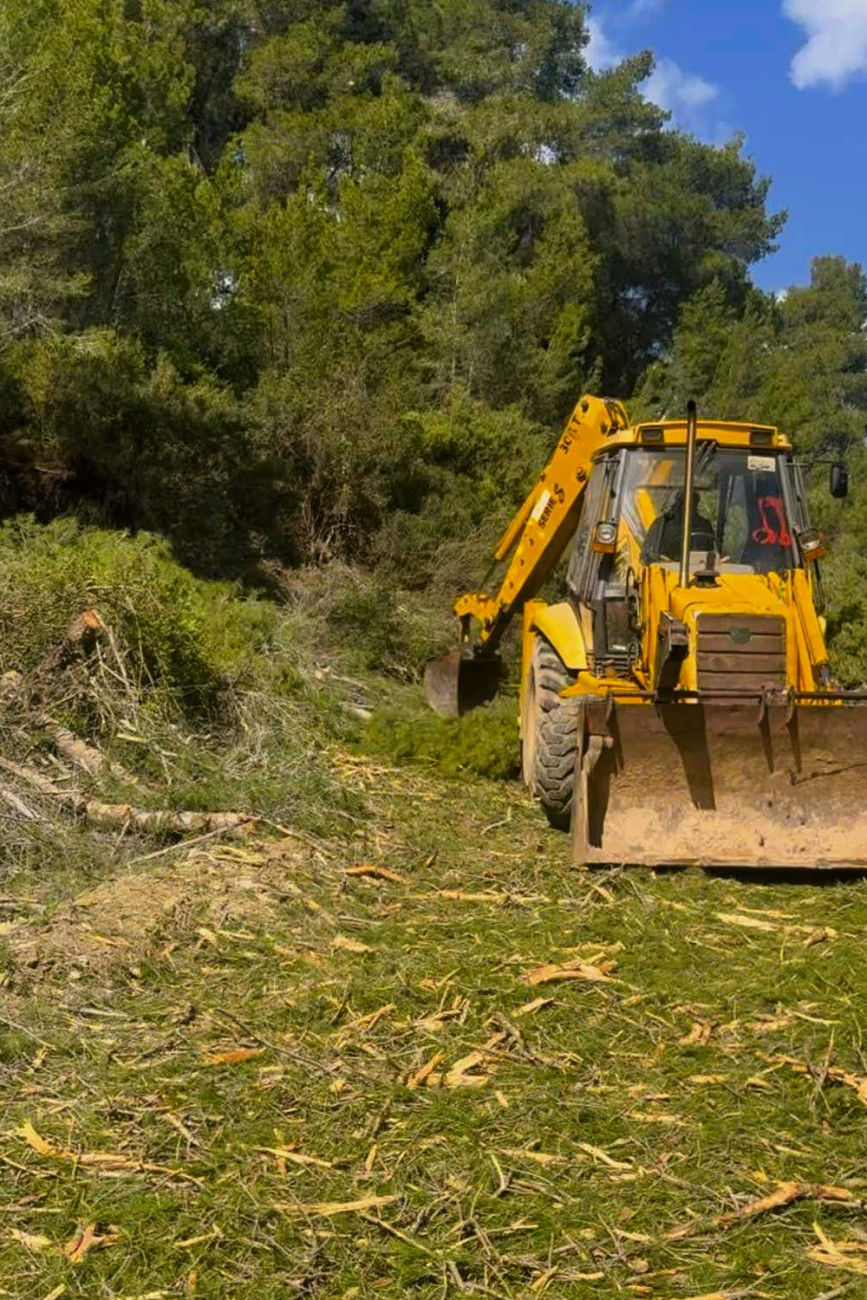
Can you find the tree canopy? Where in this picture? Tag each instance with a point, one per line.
(291, 279)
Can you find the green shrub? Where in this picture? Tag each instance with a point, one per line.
(382, 629)
(179, 640)
(483, 743)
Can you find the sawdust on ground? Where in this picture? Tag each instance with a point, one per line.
(135, 912)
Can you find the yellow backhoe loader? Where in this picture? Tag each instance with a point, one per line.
(677, 708)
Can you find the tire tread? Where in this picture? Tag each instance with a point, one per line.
(556, 735)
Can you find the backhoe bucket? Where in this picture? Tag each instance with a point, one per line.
(725, 784)
(459, 682)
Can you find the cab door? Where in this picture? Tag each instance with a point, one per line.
(597, 587)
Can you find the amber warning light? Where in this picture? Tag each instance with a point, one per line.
(605, 538)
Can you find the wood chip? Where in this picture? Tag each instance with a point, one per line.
(421, 1076)
(33, 1241)
(328, 1209)
(543, 1158)
(746, 922)
(464, 1073)
(85, 1240)
(541, 1282)
(571, 970)
(845, 1255)
(377, 873)
(719, 1295)
(814, 933)
(698, 1036)
(110, 1161)
(530, 1008)
(461, 896)
(33, 1140)
(295, 1157)
(602, 1156)
(857, 1082)
(345, 944)
(437, 1020)
(785, 1194)
(363, 1023)
(233, 1056)
(821, 934)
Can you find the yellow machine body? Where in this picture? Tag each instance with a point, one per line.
(684, 691)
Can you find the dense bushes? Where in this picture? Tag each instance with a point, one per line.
(182, 642)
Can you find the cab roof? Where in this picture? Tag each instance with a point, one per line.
(728, 433)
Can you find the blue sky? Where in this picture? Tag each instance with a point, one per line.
(792, 76)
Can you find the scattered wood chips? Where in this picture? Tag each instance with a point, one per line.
(851, 1256)
(858, 1082)
(471, 1071)
(785, 1194)
(571, 970)
(111, 1162)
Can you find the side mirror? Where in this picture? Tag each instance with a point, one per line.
(839, 480)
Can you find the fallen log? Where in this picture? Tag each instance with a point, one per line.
(125, 817)
(80, 753)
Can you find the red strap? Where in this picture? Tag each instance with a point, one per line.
(766, 534)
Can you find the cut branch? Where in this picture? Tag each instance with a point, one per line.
(124, 816)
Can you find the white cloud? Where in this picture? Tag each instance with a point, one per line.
(601, 52)
(836, 46)
(642, 9)
(678, 91)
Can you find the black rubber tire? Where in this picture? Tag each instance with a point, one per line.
(550, 734)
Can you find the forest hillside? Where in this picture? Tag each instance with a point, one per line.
(292, 281)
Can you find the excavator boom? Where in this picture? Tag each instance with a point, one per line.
(532, 546)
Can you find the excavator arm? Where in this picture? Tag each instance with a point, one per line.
(531, 547)
(543, 527)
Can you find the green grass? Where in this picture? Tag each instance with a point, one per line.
(610, 1129)
(600, 1138)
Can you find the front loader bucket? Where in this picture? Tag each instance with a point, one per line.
(727, 784)
(459, 682)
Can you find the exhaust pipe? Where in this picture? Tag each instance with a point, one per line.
(688, 488)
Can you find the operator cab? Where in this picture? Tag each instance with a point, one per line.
(749, 512)
(740, 508)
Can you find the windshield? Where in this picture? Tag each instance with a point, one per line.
(740, 512)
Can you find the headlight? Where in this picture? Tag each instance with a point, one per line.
(605, 538)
